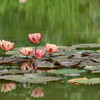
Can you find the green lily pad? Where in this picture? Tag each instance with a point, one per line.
(11, 71)
(64, 61)
(79, 51)
(68, 72)
(7, 60)
(30, 78)
(96, 72)
(46, 64)
(65, 48)
(85, 81)
(7, 67)
(92, 68)
(95, 60)
(86, 46)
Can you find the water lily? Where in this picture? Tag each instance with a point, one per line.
(37, 92)
(39, 53)
(26, 51)
(35, 38)
(8, 87)
(6, 46)
(51, 48)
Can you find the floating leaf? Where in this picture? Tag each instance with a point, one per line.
(92, 68)
(46, 64)
(68, 72)
(96, 72)
(64, 61)
(7, 67)
(8, 60)
(11, 71)
(85, 81)
(74, 81)
(30, 78)
(91, 45)
(80, 51)
(95, 60)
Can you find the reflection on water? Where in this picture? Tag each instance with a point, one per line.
(37, 92)
(8, 87)
(27, 66)
(56, 91)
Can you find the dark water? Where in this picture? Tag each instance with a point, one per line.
(60, 22)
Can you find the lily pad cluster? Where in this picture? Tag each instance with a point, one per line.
(50, 62)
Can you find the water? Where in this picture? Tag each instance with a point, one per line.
(60, 22)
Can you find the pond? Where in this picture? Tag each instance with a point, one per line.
(64, 23)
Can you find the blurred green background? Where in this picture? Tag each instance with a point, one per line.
(62, 22)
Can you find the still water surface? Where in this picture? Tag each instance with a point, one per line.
(60, 22)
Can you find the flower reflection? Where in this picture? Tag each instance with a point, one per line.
(37, 92)
(8, 87)
(27, 66)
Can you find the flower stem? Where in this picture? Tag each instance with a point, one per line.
(10, 65)
(35, 48)
(50, 54)
(4, 55)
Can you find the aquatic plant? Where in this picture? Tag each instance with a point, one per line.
(26, 51)
(6, 46)
(39, 53)
(51, 48)
(35, 38)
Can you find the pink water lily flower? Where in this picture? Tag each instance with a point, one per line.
(35, 37)
(26, 51)
(6, 45)
(8, 87)
(37, 92)
(51, 48)
(39, 53)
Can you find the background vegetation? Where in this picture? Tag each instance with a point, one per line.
(63, 22)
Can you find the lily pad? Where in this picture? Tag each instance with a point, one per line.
(80, 51)
(68, 72)
(8, 60)
(30, 78)
(46, 64)
(96, 72)
(86, 46)
(92, 68)
(64, 61)
(85, 81)
(7, 67)
(11, 71)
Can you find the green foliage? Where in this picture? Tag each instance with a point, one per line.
(64, 19)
